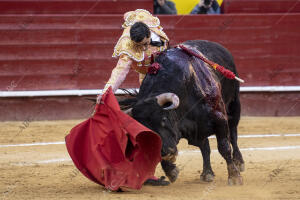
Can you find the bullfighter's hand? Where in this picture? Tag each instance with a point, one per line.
(98, 100)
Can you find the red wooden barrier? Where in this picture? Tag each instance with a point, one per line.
(59, 52)
(52, 52)
(261, 6)
(59, 108)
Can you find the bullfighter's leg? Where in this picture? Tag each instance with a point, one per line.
(207, 173)
(170, 170)
(234, 112)
(224, 148)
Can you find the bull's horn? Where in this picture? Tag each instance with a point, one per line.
(128, 112)
(168, 97)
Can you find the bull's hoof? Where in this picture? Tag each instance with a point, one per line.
(207, 176)
(238, 180)
(173, 174)
(234, 177)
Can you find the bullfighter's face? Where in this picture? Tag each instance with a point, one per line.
(144, 44)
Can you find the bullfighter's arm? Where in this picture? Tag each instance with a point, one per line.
(118, 74)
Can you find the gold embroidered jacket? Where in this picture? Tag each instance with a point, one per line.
(131, 56)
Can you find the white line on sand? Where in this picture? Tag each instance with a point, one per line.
(248, 149)
(53, 160)
(32, 144)
(180, 153)
(240, 136)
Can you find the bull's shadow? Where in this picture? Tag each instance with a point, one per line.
(186, 98)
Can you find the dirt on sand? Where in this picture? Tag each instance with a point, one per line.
(270, 146)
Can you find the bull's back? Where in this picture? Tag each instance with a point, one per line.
(220, 55)
(214, 52)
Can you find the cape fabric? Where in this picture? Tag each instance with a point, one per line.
(112, 149)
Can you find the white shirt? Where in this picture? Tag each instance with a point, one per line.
(155, 37)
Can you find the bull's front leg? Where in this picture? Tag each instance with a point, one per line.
(224, 148)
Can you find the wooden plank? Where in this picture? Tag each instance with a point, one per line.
(270, 104)
(99, 50)
(59, 51)
(53, 36)
(63, 108)
(57, 66)
(56, 108)
(77, 79)
(91, 74)
(261, 6)
(235, 36)
(73, 7)
(60, 21)
(248, 21)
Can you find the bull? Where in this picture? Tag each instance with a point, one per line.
(186, 98)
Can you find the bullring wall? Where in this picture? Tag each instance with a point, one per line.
(73, 52)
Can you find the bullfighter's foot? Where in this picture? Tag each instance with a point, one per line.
(207, 176)
(157, 182)
(234, 177)
(173, 174)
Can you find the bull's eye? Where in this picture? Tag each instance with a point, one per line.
(163, 121)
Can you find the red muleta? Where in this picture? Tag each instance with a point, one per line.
(112, 149)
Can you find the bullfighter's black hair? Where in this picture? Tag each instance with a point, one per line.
(139, 31)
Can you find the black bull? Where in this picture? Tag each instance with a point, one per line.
(188, 99)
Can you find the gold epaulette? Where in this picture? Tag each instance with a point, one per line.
(126, 46)
(140, 15)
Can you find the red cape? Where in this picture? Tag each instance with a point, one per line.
(112, 149)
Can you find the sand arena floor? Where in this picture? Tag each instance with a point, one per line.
(270, 146)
